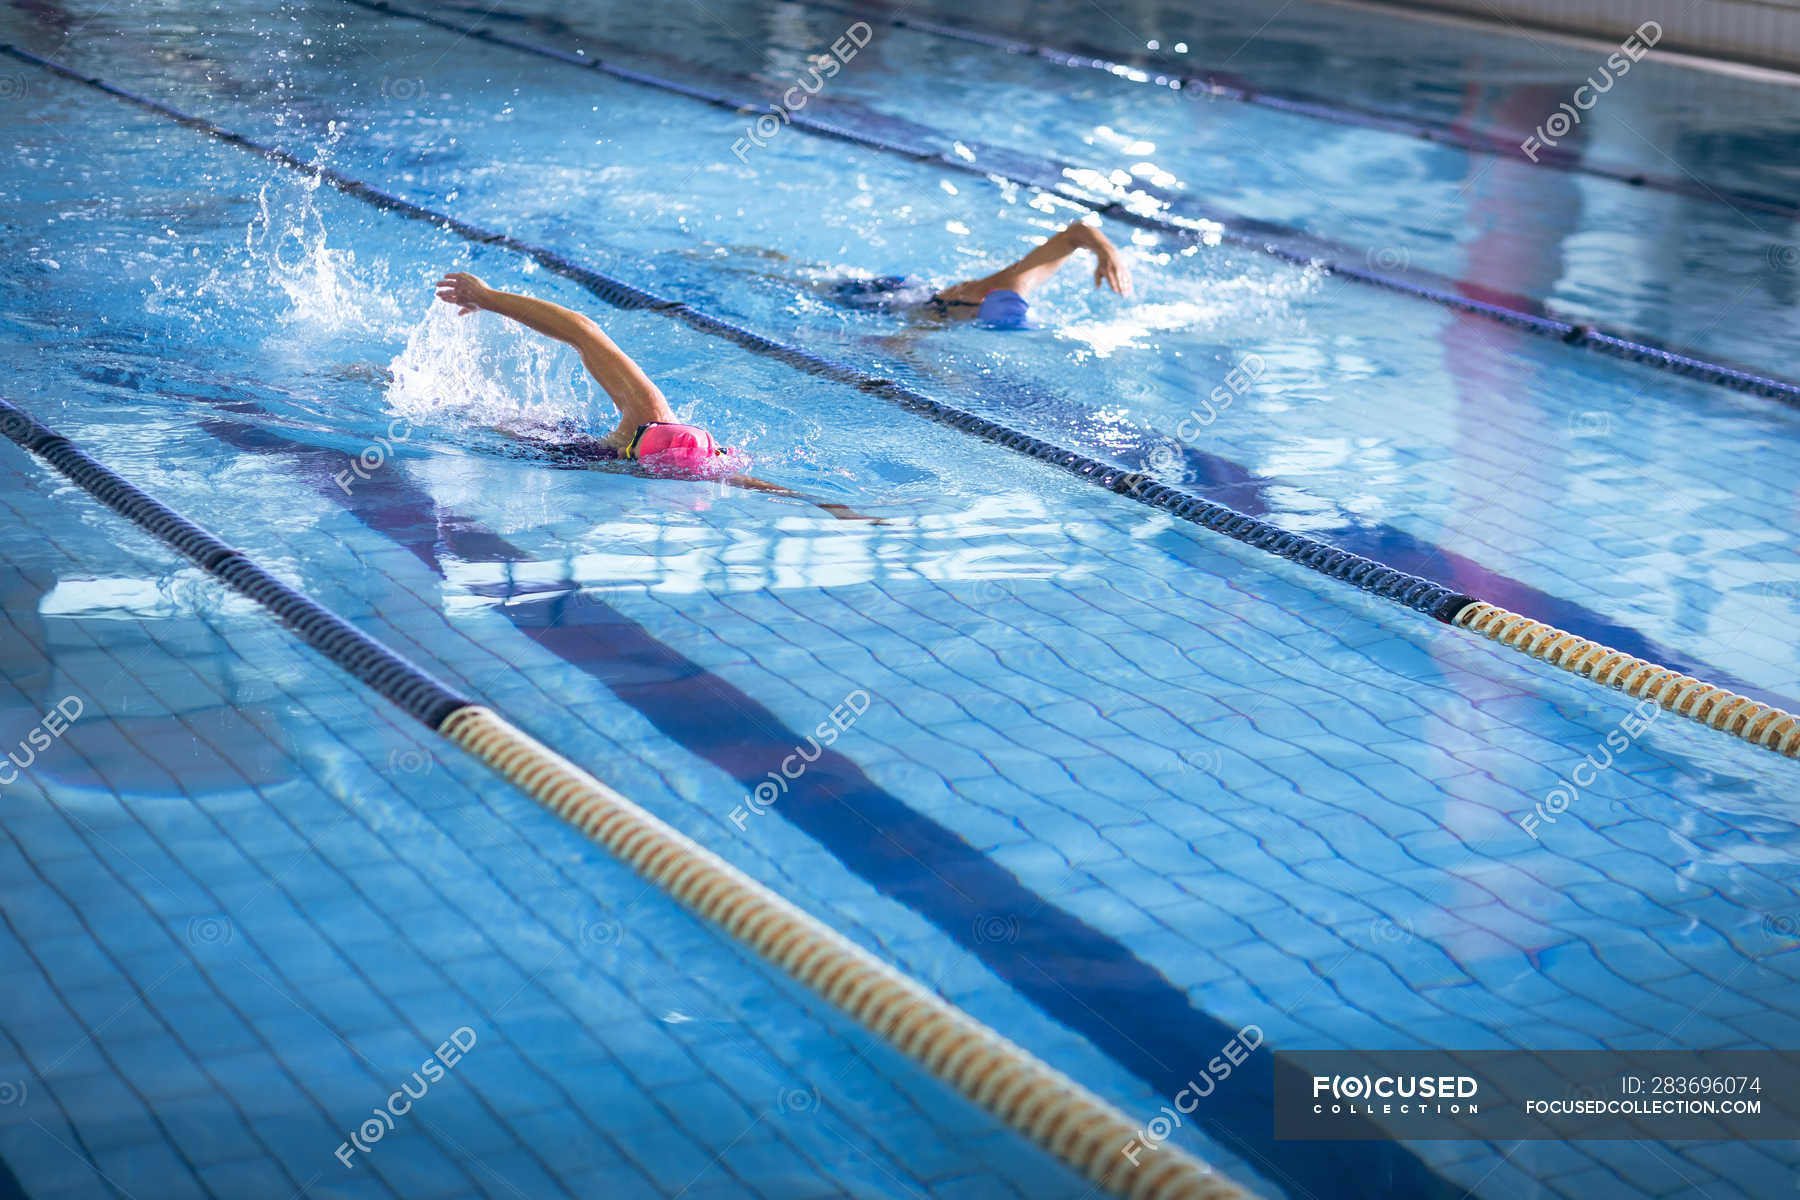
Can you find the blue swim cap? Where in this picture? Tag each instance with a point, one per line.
(1003, 310)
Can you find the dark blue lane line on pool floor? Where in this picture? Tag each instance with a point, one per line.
(10, 1188)
(1228, 482)
(1080, 977)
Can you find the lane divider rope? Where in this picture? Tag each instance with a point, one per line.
(1159, 70)
(1756, 723)
(1367, 575)
(1261, 236)
(1032, 1098)
(1053, 1111)
(411, 689)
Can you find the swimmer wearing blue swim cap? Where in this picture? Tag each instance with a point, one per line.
(999, 300)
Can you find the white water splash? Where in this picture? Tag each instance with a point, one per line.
(288, 246)
(1234, 306)
(335, 305)
(473, 371)
(481, 370)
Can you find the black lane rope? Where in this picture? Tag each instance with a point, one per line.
(1421, 595)
(1161, 70)
(1266, 237)
(1760, 724)
(411, 689)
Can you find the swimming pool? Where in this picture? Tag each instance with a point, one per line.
(1121, 787)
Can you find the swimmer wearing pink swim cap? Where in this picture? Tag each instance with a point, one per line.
(648, 432)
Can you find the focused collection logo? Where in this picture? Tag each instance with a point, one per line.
(1388, 1095)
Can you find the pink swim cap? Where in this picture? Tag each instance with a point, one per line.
(667, 448)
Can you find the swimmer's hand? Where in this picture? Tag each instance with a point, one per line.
(842, 512)
(1112, 271)
(465, 291)
(1109, 264)
(845, 513)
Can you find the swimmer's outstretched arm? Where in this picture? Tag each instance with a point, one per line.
(638, 399)
(842, 512)
(1036, 268)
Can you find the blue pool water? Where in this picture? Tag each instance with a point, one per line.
(1122, 787)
